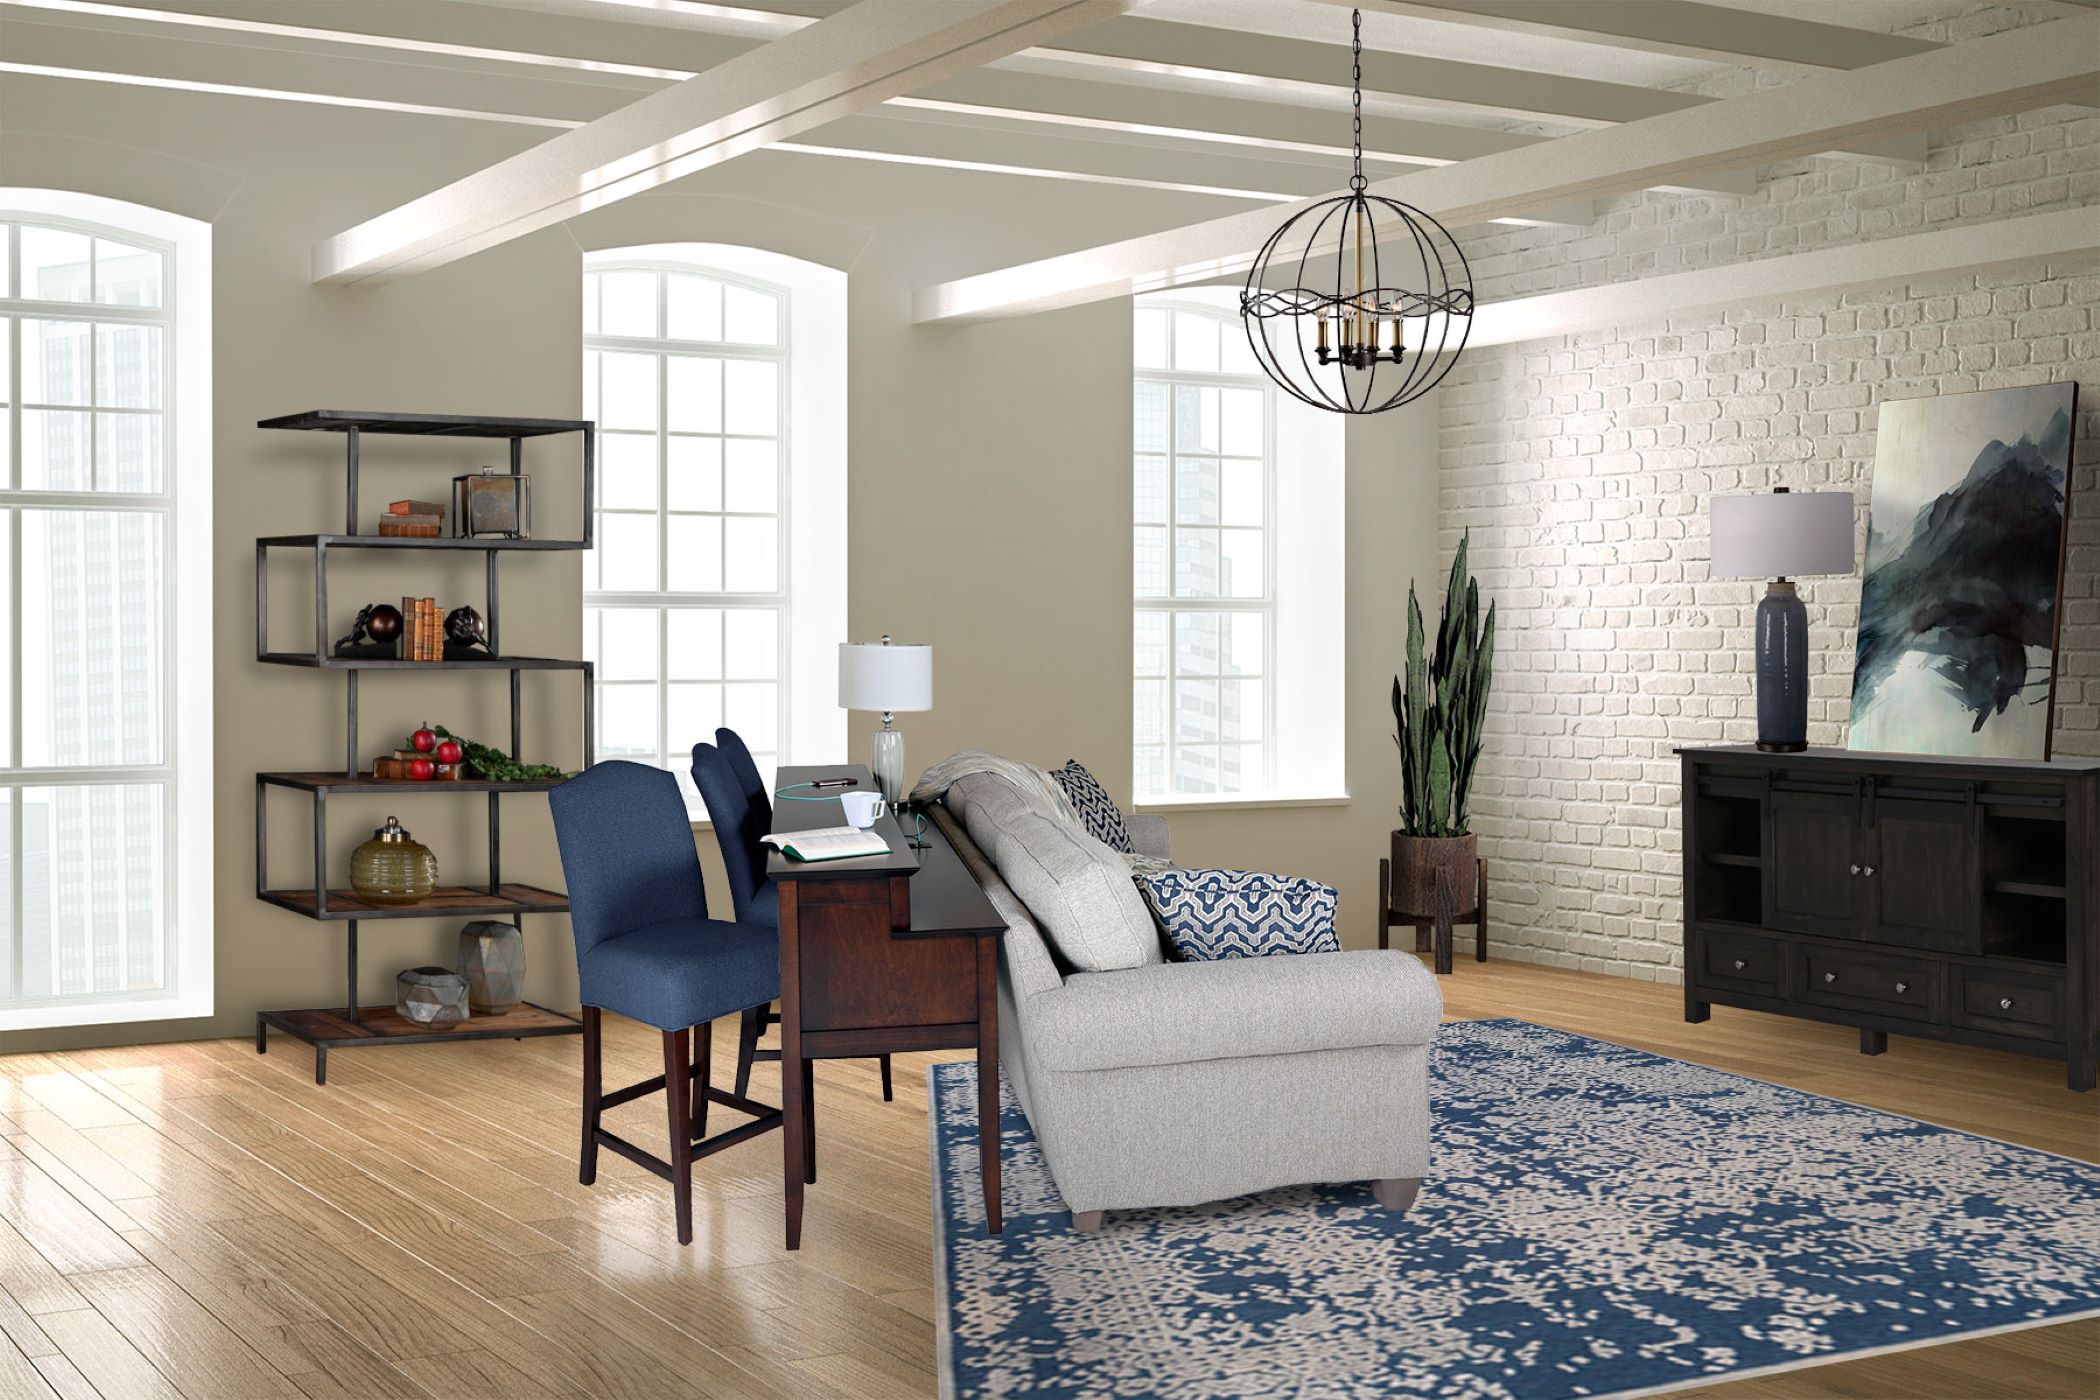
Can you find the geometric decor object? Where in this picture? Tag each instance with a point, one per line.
(492, 959)
(1358, 303)
(1596, 1221)
(431, 996)
(1960, 604)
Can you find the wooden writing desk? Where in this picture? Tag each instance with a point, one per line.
(882, 954)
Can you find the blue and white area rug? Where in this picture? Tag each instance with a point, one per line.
(1597, 1221)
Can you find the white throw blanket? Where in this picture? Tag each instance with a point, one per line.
(1043, 792)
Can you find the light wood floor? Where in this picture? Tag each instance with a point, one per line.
(194, 1220)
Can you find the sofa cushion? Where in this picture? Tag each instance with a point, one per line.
(1098, 811)
(1179, 1013)
(1214, 914)
(1078, 889)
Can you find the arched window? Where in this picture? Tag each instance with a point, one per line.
(716, 593)
(105, 535)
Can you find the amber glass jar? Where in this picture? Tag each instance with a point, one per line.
(393, 867)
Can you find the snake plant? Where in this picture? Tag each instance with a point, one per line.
(1440, 705)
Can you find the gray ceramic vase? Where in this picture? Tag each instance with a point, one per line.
(492, 959)
(433, 997)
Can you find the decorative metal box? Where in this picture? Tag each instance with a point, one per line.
(493, 503)
(431, 996)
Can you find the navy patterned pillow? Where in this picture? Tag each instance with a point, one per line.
(1103, 818)
(1214, 914)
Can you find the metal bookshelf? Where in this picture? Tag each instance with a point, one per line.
(351, 1026)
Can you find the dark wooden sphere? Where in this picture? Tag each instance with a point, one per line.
(383, 622)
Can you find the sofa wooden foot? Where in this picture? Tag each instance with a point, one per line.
(1085, 1222)
(1396, 1192)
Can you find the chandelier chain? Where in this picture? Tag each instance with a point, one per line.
(1356, 98)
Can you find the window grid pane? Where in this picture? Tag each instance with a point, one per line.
(692, 513)
(84, 868)
(1204, 620)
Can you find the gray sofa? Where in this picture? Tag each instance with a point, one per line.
(1171, 1084)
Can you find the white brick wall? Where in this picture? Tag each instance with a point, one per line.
(1583, 466)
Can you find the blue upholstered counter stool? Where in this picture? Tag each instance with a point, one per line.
(646, 950)
(741, 812)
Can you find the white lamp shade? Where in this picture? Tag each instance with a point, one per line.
(1782, 534)
(882, 676)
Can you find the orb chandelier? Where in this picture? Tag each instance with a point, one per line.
(1358, 303)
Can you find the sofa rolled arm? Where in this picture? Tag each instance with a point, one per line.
(1180, 1013)
(1148, 834)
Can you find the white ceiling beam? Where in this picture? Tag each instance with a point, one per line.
(1240, 123)
(2065, 234)
(1682, 28)
(1291, 68)
(854, 60)
(2015, 71)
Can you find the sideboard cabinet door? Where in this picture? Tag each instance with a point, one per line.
(1923, 891)
(1814, 851)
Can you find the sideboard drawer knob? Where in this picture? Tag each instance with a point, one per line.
(1830, 977)
(1902, 987)
(1867, 871)
(2005, 1003)
(1855, 869)
(1740, 965)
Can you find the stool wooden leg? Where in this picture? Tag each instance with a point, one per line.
(809, 1120)
(678, 1086)
(1480, 930)
(887, 1093)
(747, 1047)
(593, 1090)
(1385, 902)
(1446, 900)
(703, 1067)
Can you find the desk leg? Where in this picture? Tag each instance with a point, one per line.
(794, 1126)
(988, 1078)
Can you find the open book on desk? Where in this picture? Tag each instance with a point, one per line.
(828, 843)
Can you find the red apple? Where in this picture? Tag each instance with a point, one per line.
(450, 752)
(422, 769)
(423, 741)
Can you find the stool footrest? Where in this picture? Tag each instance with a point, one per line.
(767, 1119)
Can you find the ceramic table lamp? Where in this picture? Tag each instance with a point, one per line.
(1782, 536)
(885, 677)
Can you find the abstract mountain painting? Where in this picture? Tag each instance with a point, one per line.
(1964, 569)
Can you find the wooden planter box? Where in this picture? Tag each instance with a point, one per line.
(1433, 882)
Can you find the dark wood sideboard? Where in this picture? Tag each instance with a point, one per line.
(1949, 898)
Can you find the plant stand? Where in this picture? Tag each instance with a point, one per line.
(350, 1025)
(1423, 884)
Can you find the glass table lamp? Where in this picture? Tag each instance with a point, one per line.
(886, 677)
(1782, 536)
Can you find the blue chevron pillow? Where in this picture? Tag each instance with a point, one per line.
(1214, 914)
(1103, 818)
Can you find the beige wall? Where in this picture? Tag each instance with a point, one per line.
(989, 508)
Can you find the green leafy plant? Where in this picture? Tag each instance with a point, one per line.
(1440, 706)
(492, 765)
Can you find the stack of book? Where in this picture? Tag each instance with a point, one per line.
(422, 630)
(414, 519)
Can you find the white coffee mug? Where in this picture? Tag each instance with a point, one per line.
(863, 808)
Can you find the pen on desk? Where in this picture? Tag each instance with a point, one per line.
(822, 783)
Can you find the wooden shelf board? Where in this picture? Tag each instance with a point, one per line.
(440, 542)
(339, 420)
(365, 782)
(447, 901)
(1739, 862)
(332, 1026)
(2037, 888)
(389, 663)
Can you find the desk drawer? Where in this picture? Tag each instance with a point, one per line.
(2025, 1004)
(1890, 984)
(1739, 962)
